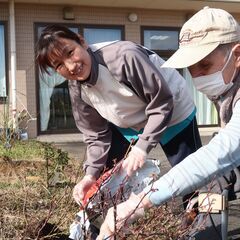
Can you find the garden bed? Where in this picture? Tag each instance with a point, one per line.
(36, 181)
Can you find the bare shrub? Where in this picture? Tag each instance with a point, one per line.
(33, 208)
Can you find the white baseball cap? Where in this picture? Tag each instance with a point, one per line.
(201, 34)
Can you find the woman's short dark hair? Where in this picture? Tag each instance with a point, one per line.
(49, 43)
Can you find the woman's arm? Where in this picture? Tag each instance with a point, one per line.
(95, 129)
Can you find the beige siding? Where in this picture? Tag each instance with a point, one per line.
(28, 14)
(3, 12)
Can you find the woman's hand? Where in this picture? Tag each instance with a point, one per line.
(82, 187)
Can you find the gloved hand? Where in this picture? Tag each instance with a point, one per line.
(134, 160)
(82, 187)
(126, 213)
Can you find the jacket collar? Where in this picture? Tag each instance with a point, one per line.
(92, 79)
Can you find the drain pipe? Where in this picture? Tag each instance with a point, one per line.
(13, 64)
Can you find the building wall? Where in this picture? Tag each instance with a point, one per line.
(28, 14)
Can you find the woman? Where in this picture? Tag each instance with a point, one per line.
(119, 93)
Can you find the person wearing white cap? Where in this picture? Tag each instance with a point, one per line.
(210, 49)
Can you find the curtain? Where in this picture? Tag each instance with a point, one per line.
(206, 112)
(47, 84)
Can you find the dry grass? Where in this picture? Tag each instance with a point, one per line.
(31, 211)
(31, 208)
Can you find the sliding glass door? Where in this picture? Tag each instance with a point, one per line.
(164, 41)
(54, 106)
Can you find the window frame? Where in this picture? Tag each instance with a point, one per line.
(4, 24)
(80, 28)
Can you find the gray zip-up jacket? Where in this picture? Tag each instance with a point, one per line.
(128, 88)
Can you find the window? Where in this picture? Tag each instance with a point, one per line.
(164, 41)
(3, 62)
(53, 97)
(54, 100)
(97, 35)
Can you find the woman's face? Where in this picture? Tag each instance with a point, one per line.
(73, 61)
(215, 62)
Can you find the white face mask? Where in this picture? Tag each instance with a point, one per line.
(213, 84)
